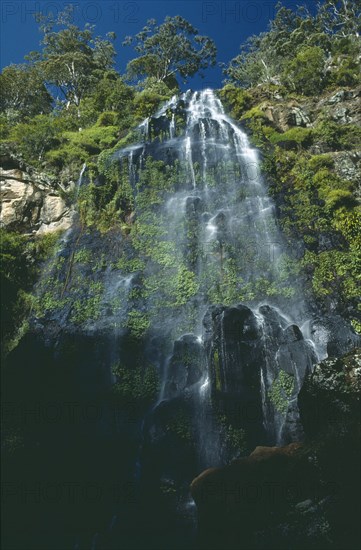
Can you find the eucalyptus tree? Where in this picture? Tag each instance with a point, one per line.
(341, 18)
(303, 46)
(170, 51)
(72, 59)
(23, 93)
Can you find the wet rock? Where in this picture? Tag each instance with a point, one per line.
(333, 335)
(281, 497)
(260, 361)
(239, 502)
(186, 365)
(330, 397)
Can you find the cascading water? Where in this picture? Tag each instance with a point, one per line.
(169, 334)
(220, 225)
(181, 319)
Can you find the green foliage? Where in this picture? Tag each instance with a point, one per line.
(187, 286)
(281, 391)
(217, 370)
(338, 198)
(87, 308)
(136, 384)
(316, 201)
(356, 326)
(33, 139)
(337, 136)
(83, 256)
(347, 72)
(106, 206)
(18, 272)
(172, 48)
(306, 72)
(147, 102)
(349, 224)
(137, 323)
(235, 438)
(296, 51)
(335, 273)
(236, 99)
(180, 425)
(112, 94)
(22, 93)
(130, 265)
(93, 139)
(72, 59)
(319, 162)
(302, 136)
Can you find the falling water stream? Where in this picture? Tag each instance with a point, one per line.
(203, 272)
(233, 221)
(174, 306)
(219, 224)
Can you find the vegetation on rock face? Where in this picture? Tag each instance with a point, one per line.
(271, 89)
(302, 52)
(310, 147)
(295, 89)
(19, 271)
(138, 385)
(281, 391)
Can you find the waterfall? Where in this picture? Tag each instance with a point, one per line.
(80, 179)
(174, 305)
(218, 225)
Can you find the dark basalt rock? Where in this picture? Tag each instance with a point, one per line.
(186, 365)
(336, 334)
(297, 496)
(330, 398)
(241, 502)
(242, 350)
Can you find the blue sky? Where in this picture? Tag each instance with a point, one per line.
(228, 22)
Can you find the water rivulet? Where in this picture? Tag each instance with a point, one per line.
(173, 333)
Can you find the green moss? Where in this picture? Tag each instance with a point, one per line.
(137, 384)
(83, 256)
(138, 323)
(302, 136)
(180, 425)
(88, 308)
(281, 391)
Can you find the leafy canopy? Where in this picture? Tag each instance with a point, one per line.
(328, 42)
(72, 59)
(171, 49)
(23, 93)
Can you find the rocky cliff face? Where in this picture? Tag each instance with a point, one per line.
(298, 496)
(176, 322)
(342, 107)
(30, 203)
